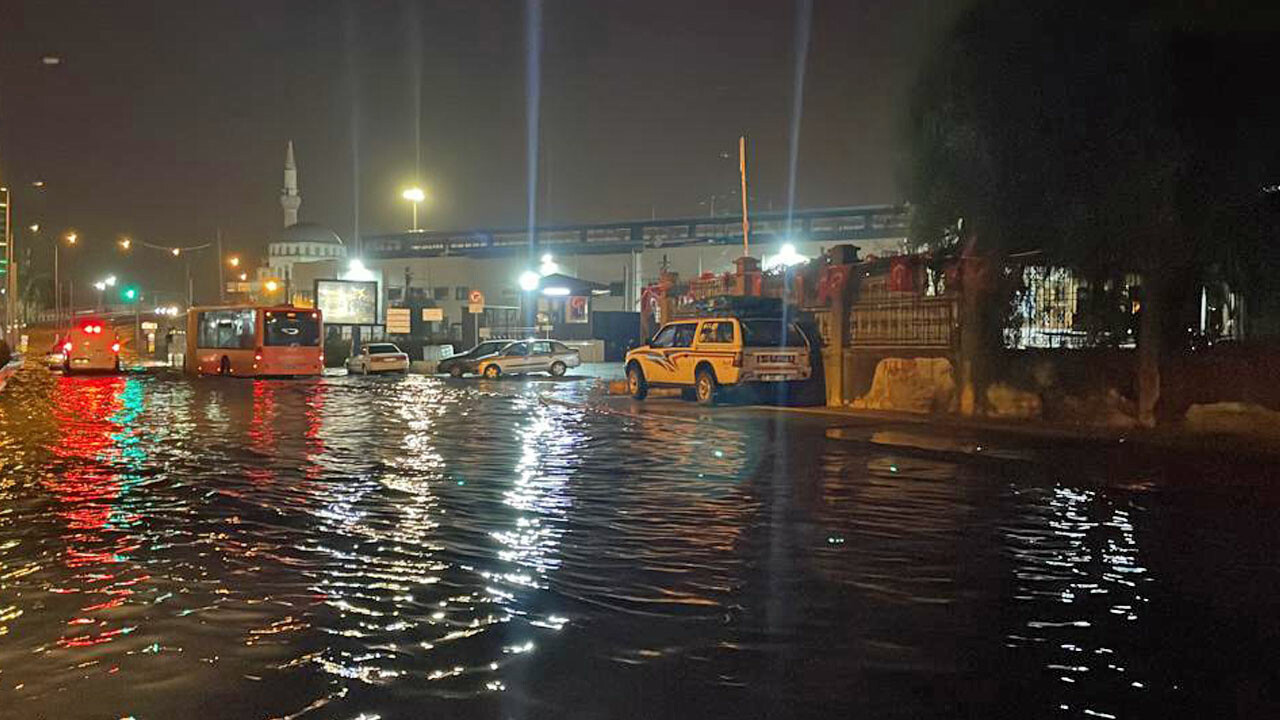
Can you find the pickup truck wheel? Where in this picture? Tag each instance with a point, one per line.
(636, 383)
(705, 387)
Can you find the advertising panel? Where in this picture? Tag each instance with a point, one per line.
(348, 302)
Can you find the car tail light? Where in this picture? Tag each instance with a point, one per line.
(66, 347)
(321, 358)
(737, 359)
(257, 354)
(115, 347)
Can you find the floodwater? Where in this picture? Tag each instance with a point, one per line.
(416, 547)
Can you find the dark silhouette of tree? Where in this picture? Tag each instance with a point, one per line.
(1109, 136)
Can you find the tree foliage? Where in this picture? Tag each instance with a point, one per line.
(1108, 135)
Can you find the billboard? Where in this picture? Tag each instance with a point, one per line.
(348, 302)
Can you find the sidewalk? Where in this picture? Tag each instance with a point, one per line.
(1166, 437)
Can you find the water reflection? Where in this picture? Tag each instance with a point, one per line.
(1080, 594)
(407, 547)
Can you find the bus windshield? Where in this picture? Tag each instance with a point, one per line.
(290, 329)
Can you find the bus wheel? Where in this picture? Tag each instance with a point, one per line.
(224, 367)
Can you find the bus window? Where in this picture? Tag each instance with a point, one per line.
(226, 329)
(291, 329)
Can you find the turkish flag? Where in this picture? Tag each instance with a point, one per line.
(901, 275)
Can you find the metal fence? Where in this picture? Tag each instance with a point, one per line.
(917, 322)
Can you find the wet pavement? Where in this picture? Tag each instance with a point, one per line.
(410, 547)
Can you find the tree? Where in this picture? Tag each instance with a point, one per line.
(1081, 129)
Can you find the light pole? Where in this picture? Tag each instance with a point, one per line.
(8, 271)
(101, 286)
(71, 239)
(414, 195)
(233, 262)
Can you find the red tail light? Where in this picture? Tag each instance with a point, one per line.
(737, 359)
(66, 347)
(257, 354)
(115, 347)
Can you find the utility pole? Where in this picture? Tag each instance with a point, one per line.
(8, 277)
(222, 285)
(746, 224)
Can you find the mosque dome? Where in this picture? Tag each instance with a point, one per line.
(307, 232)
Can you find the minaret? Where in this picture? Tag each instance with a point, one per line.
(289, 197)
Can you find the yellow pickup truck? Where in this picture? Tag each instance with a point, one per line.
(706, 354)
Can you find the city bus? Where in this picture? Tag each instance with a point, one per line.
(254, 340)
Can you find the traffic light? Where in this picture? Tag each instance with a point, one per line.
(129, 293)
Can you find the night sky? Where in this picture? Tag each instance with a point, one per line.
(168, 120)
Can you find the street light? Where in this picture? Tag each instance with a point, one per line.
(125, 243)
(529, 280)
(414, 195)
(234, 261)
(70, 239)
(271, 286)
(176, 252)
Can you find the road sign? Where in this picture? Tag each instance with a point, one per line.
(475, 297)
(398, 321)
(432, 314)
(475, 308)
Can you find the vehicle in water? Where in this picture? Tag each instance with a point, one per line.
(530, 356)
(709, 353)
(377, 358)
(254, 341)
(469, 361)
(91, 346)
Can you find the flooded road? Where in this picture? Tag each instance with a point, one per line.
(417, 547)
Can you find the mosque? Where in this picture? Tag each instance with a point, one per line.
(299, 242)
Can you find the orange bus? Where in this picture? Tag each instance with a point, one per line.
(254, 340)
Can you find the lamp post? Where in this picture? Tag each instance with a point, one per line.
(414, 195)
(9, 285)
(71, 239)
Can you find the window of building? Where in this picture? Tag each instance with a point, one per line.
(441, 293)
(462, 292)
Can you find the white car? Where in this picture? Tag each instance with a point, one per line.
(530, 356)
(378, 357)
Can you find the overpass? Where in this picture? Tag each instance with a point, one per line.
(824, 225)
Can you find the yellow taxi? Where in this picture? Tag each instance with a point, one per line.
(706, 354)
